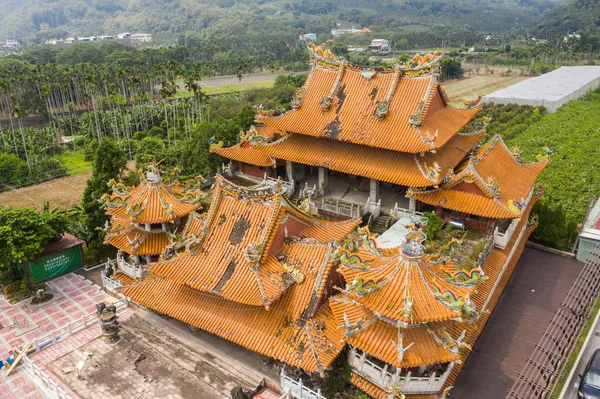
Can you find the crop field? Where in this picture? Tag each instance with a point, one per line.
(462, 90)
(64, 193)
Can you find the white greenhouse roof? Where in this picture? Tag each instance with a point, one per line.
(551, 90)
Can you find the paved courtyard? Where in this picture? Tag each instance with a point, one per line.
(533, 295)
(149, 362)
(73, 298)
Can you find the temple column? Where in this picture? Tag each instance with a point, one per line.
(289, 169)
(412, 204)
(323, 180)
(374, 190)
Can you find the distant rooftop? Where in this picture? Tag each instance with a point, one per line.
(551, 90)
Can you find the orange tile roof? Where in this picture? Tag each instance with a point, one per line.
(379, 338)
(195, 223)
(123, 278)
(244, 152)
(292, 330)
(384, 165)
(410, 290)
(133, 240)
(376, 338)
(236, 257)
(351, 116)
(324, 231)
(154, 200)
(492, 184)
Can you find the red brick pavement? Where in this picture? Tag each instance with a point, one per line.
(79, 298)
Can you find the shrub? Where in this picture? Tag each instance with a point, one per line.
(434, 228)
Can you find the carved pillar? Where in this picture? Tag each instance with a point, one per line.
(289, 168)
(323, 180)
(374, 190)
(412, 204)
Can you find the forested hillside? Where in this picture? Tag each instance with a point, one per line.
(573, 16)
(39, 19)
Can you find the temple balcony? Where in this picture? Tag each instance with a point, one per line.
(419, 380)
(130, 265)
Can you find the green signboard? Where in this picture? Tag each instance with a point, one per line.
(56, 264)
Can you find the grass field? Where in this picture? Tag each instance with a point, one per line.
(233, 88)
(463, 90)
(75, 163)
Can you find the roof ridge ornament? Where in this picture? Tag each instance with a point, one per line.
(327, 100)
(299, 96)
(369, 241)
(476, 102)
(413, 246)
(382, 107)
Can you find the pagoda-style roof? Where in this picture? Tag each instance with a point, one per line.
(399, 109)
(368, 332)
(243, 251)
(408, 286)
(389, 166)
(129, 238)
(293, 330)
(155, 200)
(493, 183)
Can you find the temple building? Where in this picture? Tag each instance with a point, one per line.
(257, 271)
(360, 137)
(283, 262)
(144, 219)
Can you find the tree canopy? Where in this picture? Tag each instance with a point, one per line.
(24, 233)
(109, 162)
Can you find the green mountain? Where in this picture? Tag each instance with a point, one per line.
(573, 16)
(36, 20)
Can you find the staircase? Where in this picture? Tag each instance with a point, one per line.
(296, 197)
(380, 224)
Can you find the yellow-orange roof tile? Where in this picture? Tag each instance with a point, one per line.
(244, 152)
(351, 116)
(493, 184)
(380, 338)
(293, 330)
(411, 290)
(124, 235)
(243, 254)
(154, 200)
(384, 165)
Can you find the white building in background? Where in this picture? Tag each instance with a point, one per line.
(125, 37)
(86, 39)
(311, 37)
(551, 90)
(339, 31)
(380, 45)
(12, 44)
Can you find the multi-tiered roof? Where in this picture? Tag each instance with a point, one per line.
(392, 124)
(492, 183)
(153, 202)
(398, 303)
(255, 274)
